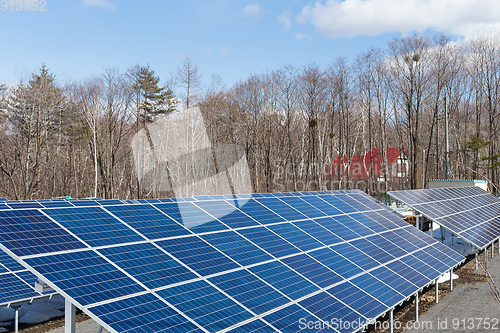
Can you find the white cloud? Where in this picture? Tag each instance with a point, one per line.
(252, 10)
(336, 18)
(99, 3)
(300, 36)
(285, 21)
(224, 50)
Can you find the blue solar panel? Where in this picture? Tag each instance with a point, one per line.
(319, 232)
(198, 255)
(227, 214)
(336, 262)
(148, 264)
(365, 304)
(26, 232)
(110, 202)
(289, 319)
(284, 279)
(148, 221)
(23, 205)
(239, 265)
(15, 289)
(256, 326)
(257, 211)
(94, 226)
(84, 203)
(375, 287)
(237, 248)
(57, 204)
(312, 270)
(303, 206)
(191, 216)
(295, 236)
(18, 284)
(250, 291)
(269, 241)
(282, 209)
(322, 205)
(206, 305)
(87, 278)
(144, 313)
(9, 264)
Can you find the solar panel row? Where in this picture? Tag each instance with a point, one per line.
(468, 212)
(61, 203)
(263, 263)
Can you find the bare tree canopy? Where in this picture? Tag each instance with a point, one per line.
(371, 124)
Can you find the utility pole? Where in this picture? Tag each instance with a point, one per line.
(423, 168)
(447, 147)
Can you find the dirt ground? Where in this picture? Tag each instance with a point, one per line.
(403, 313)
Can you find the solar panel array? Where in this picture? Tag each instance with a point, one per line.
(468, 212)
(254, 263)
(18, 282)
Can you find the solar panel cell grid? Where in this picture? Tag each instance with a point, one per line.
(284, 279)
(94, 226)
(27, 232)
(144, 313)
(318, 232)
(191, 216)
(85, 276)
(269, 241)
(198, 255)
(250, 291)
(148, 264)
(148, 221)
(237, 248)
(207, 306)
(227, 214)
(312, 270)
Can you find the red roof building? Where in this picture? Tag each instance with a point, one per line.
(360, 165)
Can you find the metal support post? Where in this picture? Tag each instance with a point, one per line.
(485, 252)
(416, 306)
(69, 317)
(451, 279)
(475, 262)
(417, 223)
(100, 329)
(16, 316)
(391, 319)
(432, 229)
(447, 145)
(492, 248)
(16, 320)
(436, 287)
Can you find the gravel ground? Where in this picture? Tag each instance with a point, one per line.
(87, 326)
(469, 308)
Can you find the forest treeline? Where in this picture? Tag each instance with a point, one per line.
(75, 139)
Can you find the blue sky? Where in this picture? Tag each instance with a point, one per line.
(233, 39)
